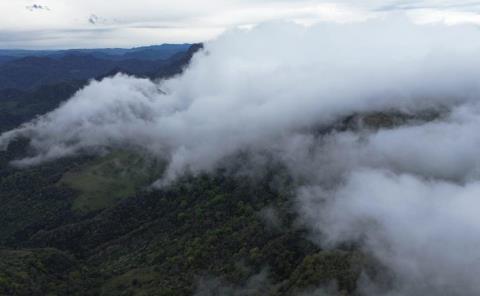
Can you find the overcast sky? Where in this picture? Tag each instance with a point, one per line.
(125, 23)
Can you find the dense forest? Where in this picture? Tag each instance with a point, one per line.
(93, 225)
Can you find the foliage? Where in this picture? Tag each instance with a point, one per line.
(105, 181)
(160, 242)
(90, 225)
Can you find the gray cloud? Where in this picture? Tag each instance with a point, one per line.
(36, 7)
(92, 19)
(96, 20)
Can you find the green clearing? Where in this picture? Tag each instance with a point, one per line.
(109, 179)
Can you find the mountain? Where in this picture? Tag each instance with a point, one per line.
(154, 52)
(18, 106)
(31, 72)
(32, 86)
(4, 59)
(92, 225)
(89, 226)
(27, 70)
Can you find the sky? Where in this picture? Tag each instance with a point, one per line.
(49, 24)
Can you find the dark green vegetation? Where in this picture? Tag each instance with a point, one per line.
(91, 225)
(105, 181)
(156, 242)
(36, 272)
(18, 106)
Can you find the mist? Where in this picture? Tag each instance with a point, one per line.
(425, 230)
(249, 88)
(407, 194)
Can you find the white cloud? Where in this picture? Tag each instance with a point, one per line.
(426, 231)
(129, 23)
(281, 77)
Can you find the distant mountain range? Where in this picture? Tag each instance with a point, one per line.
(154, 52)
(35, 84)
(28, 70)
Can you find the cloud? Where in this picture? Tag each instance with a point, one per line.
(95, 20)
(92, 19)
(35, 7)
(134, 22)
(443, 149)
(405, 193)
(305, 76)
(424, 230)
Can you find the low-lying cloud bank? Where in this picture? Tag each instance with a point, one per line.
(426, 231)
(407, 193)
(250, 88)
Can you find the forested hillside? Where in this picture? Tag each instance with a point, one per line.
(243, 171)
(92, 225)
